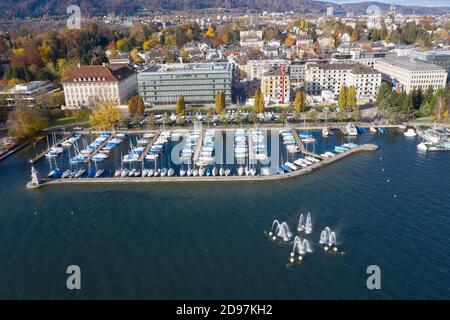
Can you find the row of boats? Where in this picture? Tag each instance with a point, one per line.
(344, 147)
(434, 139)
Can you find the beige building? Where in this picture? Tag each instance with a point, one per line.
(88, 85)
(332, 77)
(275, 87)
(408, 74)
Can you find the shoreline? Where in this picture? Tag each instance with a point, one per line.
(178, 179)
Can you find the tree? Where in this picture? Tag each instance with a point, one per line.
(238, 117)
(342, 100)
(210, 33)
(383, 96)
(312, 115)
(151, 119)
(25, 122)
(261, 103)
(106, 115)
(220, 102)
(356, 114)
(136, 107)
(351, 97)
(180, 120)
(299, 103)
(256, 102)
(181, 106)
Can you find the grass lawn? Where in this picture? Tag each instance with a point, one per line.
(68, 121)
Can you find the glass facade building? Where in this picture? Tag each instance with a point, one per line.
(197, 82)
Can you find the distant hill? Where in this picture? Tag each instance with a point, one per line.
(37, 8)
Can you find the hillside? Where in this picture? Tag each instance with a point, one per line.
(37, 8)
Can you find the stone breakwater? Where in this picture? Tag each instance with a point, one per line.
(300, 172)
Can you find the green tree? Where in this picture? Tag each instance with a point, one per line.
(356, 114)
(220, 102)
(383, 96)
(342, 100)
(136, 107)
(299, 103)
(180, 120)
(312, 115)
(181, 106)
(351, 97)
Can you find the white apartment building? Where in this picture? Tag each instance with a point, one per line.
(332, 77)
(407, 74)
(86, 86)
(257, 68)
(251, 38)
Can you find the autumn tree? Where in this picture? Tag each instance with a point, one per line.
(106, 115)
(220, 102)
(136, 106)
(351, 97)
(25, 122)
(342, 100)
(299, 103)
(180, 106)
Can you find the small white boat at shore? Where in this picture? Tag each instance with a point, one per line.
(410, 133)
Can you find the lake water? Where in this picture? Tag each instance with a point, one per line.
(389, 208)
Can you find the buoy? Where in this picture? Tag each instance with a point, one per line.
(395, 196)
(387, 180)
(270, 233)
(325, 248)
(300, 258)
(292, 254)
(274, 238)
(291, 260)
(335, 249)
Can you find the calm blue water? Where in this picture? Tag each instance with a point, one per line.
(206, 241)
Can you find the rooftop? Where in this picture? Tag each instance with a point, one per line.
(189, 67)
(354, 67)
(99, 73)
(410, 64)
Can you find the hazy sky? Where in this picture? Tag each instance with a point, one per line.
(434, 3)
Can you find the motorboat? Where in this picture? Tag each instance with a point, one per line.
(325, 132)
(422, 146)
(351, 129)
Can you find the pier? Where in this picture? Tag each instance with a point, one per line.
(149, 145)
(93, 153)
(198, 147)
(199, 179)
(302, 147)
(43, 153)
(251, 156)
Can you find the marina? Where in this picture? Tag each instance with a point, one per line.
(152, 162)
(119, 219)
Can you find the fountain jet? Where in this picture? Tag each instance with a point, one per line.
(308, 225)
(301, 223)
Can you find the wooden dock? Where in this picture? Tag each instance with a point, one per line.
(198, 147)
(149, 145)
(302, 147)
(43, 153)
(93, 153)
